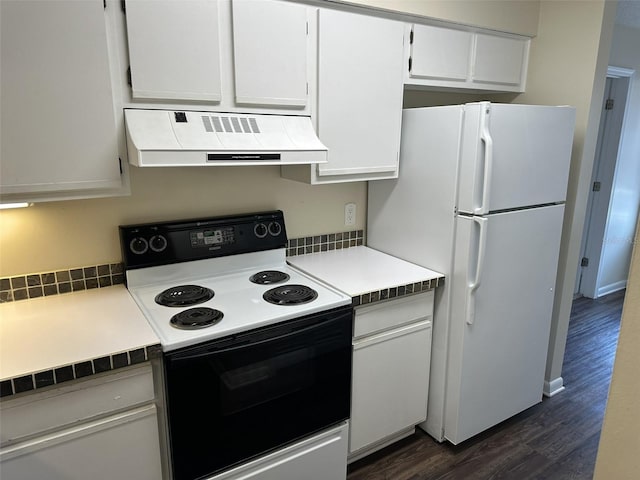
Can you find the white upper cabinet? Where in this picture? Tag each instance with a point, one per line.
(219, 54)
(58, 125)
(360, 94)
(270, 37)
(360, 67)
(430, 59)
(465, 59)
(499, 60)
(174, 49)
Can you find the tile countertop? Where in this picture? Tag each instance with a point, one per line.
(367, 275)
(53, 339)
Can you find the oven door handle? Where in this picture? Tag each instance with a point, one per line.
(185, 356)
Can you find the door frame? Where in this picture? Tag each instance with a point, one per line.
(609, 136)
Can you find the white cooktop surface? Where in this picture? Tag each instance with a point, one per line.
(235, 296)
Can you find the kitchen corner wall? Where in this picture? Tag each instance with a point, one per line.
(62, 235)
(568, 65)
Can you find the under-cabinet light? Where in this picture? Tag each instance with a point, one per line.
(6, 206)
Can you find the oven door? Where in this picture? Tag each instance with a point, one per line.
(242, 396)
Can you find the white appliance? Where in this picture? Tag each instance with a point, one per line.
(247, 340)
(480, 197)
(167, 138)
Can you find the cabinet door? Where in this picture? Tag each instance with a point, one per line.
(174, 49)
(270, 53)
(122, 446)
(499, 60)
(390, 383)
(440, 53)
(57, 113)
(359, 94)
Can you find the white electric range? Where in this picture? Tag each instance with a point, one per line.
(212, 285)
(247, 341)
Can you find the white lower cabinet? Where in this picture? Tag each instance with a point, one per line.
(391, 358)
(320, 457)
(104, 427)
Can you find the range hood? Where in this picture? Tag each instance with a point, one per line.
(168, 138)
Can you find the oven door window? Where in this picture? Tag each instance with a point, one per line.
(234, 399)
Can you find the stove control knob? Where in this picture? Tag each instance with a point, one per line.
(275, 229)
(260, 230)
(158, 243)
(139, 245)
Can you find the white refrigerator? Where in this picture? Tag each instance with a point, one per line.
(480, 197)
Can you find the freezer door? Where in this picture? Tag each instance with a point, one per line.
(514, 156)
(502, 296)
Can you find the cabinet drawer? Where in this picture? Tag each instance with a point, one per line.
(394, 313)
(41, 412)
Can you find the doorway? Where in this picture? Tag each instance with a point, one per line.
(608, 234)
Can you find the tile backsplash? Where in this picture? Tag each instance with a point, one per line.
(324, 243)
(34, 285)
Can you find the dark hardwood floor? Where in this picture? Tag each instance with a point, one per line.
(556, 439)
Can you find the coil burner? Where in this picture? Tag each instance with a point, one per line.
(290, 295)
(268, 277)
(195, 318)
(184, 296)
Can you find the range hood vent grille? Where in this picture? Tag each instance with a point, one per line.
(218, 124)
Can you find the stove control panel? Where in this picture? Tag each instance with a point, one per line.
(211, 237)
(164, 243)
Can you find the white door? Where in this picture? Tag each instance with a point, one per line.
(514, 156)
(430, 60)
(123, 446)
(57, 116)
(360, 68)
(390, 383)
(270, 53)
(499, 60)
(174, 49)
(503, 290)
(613, 204)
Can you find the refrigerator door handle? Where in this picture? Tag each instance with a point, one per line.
(485, 137)
(473, 286)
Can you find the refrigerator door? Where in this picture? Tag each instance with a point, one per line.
(502, 296)
(514, 156)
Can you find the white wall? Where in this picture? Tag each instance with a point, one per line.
(618, 453)
(625, 198)
(59, 235)
(519, 16)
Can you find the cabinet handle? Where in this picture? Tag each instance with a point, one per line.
(391, 334)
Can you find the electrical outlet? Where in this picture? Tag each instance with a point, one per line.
(350, 214)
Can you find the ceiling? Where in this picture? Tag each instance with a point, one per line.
(628, 13)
